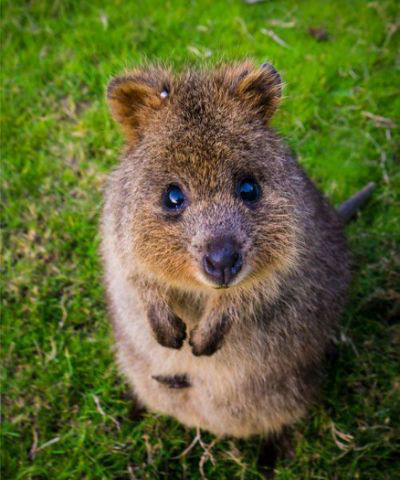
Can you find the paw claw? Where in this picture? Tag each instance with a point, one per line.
(173, 340)
(205, 349)
(169, 330)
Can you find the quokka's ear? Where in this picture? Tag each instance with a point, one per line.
(259, 87)
(135, 97)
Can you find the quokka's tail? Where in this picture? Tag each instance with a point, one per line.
(347, 209)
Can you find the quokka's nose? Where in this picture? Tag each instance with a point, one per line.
(222, 261)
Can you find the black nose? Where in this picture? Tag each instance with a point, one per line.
(222, 261)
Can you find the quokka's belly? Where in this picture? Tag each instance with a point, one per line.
(214, 393)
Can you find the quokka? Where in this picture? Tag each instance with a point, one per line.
(226, 269)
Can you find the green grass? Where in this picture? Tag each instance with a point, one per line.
(66, 411)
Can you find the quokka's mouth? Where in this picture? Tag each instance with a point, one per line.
(207, 282)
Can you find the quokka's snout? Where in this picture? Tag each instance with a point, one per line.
(223, 260)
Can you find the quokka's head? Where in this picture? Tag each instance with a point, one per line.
(204, 191)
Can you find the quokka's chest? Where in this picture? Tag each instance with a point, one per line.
(222, 393)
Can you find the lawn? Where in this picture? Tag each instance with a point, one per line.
(66, 413)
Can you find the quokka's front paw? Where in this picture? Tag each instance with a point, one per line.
(169, 330)
(206, 341)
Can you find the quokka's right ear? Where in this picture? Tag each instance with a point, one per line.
(135, 97)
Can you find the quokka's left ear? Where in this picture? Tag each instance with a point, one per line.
(259, 87)
(135, 97)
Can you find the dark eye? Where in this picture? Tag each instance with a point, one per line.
(249, 190)
(173, 198)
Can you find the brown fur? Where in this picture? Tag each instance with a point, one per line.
(253, 352)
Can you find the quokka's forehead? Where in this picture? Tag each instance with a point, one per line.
(198, 156)
(197, 99)
(205, 139)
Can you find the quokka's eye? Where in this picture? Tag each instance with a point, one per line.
(173, 199)
(249, 190)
